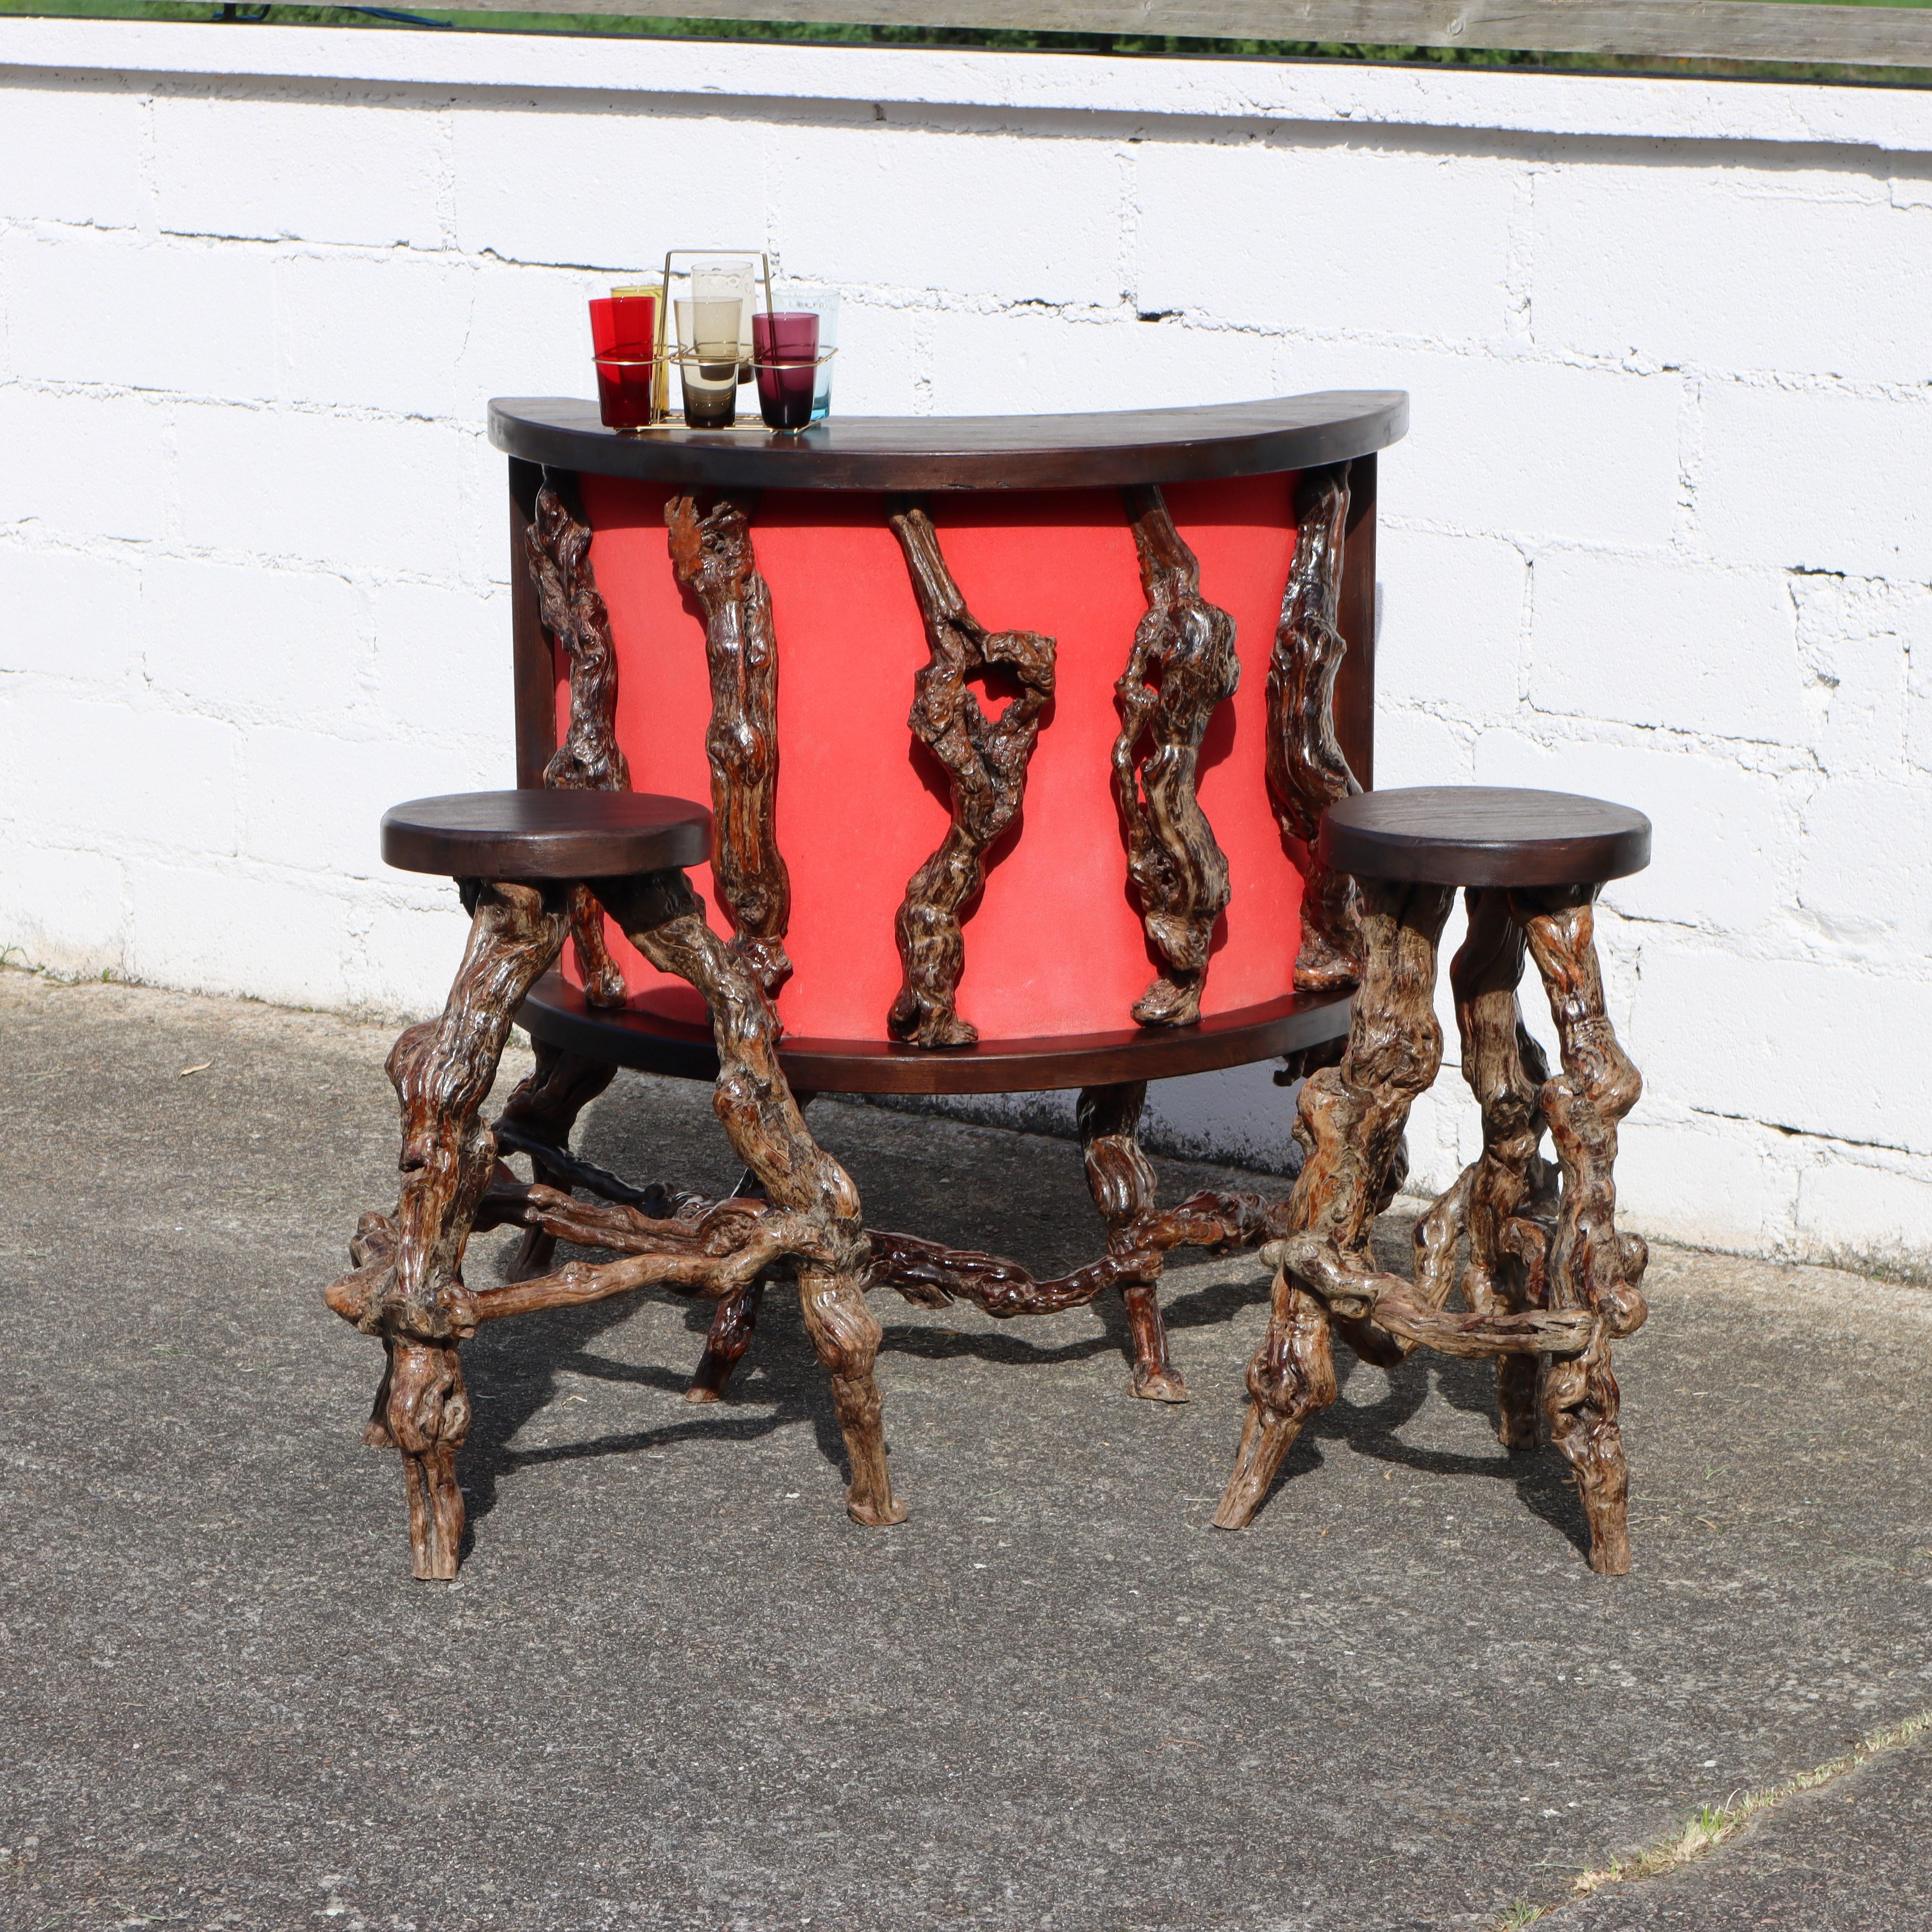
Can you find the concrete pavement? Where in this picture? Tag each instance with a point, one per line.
(676, 1688)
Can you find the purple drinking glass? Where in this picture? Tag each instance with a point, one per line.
(784, 353)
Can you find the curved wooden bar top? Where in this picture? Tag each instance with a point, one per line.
(963, 858)
(1111, 449)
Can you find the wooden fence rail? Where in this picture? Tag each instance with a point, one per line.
(1747, 30)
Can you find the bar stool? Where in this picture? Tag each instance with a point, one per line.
(525, 861)
(1549, 1281)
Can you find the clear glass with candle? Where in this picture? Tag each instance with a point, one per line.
(718, 286)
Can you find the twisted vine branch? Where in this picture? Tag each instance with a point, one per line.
(557, 548)
(712, 557)
(985, 763)
(766, 1130)
(1182, 669)
(408, 1288)
(1589, 1265)
(1306, 771)
(1349, 1125)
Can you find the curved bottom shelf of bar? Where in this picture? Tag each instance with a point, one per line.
(556, 1012)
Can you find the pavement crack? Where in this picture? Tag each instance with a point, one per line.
(1713, 1825)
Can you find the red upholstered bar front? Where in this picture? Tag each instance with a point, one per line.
(1055, 945)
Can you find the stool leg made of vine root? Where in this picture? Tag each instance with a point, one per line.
(1588, 1265)
(1505, 1069)
(1349, 1124)
(409, 1288)
(548, 1103)
(662, 918)
(735, 1320)
(1124, 1190)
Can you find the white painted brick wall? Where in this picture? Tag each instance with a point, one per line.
(1663, 530)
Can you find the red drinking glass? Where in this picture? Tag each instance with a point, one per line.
(624, 333)
(626, 387)
(624, 324)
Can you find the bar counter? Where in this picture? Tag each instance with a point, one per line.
(1015, 729)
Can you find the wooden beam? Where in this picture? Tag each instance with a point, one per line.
(1745, 30)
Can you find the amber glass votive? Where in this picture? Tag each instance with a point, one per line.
(784, 353)
(636, 309)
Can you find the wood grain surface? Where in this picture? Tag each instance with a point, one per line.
(545, 835)
(1485, 835)
(556, 1011)
(1117, 447)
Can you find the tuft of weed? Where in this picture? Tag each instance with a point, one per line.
(1513, 1918)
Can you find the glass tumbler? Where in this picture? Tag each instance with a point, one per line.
(720, 286)
(708, 360)
(826, 307)
(785, 355)
(623, 334)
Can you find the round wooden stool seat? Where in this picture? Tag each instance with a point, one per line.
(545, 835)
(1485, 835)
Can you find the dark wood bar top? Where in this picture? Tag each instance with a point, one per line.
(921, 453)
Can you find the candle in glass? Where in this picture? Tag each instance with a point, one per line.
(723, 282)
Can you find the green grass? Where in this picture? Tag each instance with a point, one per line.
(672, 27)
